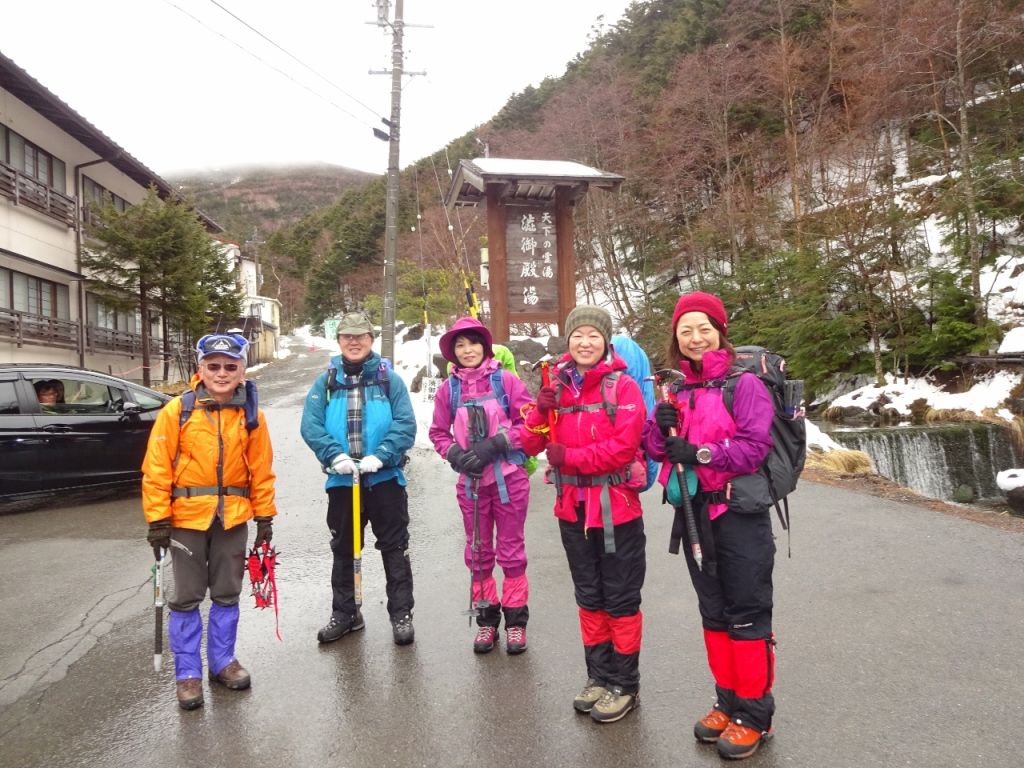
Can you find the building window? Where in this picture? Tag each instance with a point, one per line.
(33, 161)
(24, 293)
(97, 194)
(102, 315)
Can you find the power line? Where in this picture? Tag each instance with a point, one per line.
(267, 64)
(371, 110)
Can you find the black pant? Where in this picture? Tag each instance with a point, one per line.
(386, 507)
(739, 599)
(608, 585)
(602, 581)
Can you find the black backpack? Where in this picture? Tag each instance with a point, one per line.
(785, 461)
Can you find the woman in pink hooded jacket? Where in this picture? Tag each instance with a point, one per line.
(731, 507)
(478, 439)
(594, 451)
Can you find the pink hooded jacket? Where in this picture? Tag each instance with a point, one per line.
(738, 443)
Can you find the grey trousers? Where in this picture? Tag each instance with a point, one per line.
(216, 563)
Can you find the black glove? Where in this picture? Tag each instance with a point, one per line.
(264, 530)
(666, 417)
(159, 535)
(491, 448)
(679, 450)
(455, 457)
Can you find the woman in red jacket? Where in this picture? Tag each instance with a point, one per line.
(593, 449)
(726, 448)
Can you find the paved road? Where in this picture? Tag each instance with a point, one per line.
(899, 639)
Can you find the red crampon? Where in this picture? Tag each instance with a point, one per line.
(261, 564)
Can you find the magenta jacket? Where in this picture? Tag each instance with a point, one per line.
(738, 443)
(447, 428)
(594, 446)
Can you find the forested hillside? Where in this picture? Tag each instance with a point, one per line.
(845, 173)
(262, 200)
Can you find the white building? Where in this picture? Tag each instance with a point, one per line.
(53, 163)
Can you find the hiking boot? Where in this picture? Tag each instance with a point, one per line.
(233, 676)
(614, 705)
(710, 727)
(339, 626)
(484, 640)
(401, 627)
(589, 696)
(515, 640)
(190, 693)
(737, 741)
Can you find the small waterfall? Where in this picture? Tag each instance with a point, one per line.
(935, 460)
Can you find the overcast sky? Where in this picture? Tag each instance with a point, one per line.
(185, 85)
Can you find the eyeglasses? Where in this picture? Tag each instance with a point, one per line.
(349, 337)
(215, 367)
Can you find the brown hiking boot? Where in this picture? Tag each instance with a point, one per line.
(737, 741)
(710, 727)
(233, 676)
(589, 696)
(190, 693)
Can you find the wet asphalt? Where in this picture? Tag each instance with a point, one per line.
(899, 634)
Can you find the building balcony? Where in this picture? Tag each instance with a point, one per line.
(26, 191)
(24, 328)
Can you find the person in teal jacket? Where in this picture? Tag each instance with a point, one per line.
(358, 418)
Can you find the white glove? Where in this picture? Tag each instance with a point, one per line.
(343, 464)
(369, 464)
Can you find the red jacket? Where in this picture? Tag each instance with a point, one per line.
(594, 445)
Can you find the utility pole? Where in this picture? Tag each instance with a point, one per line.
(387, 334)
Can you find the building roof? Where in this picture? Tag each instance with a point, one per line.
(22, 85)
(524, 180)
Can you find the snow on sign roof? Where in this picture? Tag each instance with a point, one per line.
(524, 180)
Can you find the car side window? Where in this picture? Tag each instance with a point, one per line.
(146, 401)
(8, 398)
(81, 396)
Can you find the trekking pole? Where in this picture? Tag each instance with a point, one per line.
(545, 380)
(158, 607)
(357, 533)
(474, 557)
(662, 379)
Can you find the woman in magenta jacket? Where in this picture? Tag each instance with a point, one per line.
(593, 450)
(731, 507)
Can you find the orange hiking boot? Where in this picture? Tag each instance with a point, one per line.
(710, 727)
(738, 741)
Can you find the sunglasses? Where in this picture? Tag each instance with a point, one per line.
(214, 367)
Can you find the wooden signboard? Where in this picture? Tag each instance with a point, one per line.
(531, 241)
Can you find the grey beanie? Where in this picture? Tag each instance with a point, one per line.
(587, 314)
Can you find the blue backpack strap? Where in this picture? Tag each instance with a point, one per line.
(188, 404)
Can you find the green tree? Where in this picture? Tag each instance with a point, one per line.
(156, 258)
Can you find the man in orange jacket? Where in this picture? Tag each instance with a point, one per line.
(207, 472)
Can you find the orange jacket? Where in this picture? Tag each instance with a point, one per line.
(247, 463)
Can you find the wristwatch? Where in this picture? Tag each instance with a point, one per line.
(704, 455)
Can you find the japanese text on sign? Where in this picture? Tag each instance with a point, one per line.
(532, 259)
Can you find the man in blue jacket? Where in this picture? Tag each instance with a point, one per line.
(358, 418)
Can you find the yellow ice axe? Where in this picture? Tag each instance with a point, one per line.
(357, 544)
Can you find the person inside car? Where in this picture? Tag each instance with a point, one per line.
(50, 392)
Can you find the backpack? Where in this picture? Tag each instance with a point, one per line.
(498, 393)
(636, 473)
(638, 368)
(785, 461)
(504, 356)
(251, 407)
(381, 379)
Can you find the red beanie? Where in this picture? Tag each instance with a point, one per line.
(701, 302)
